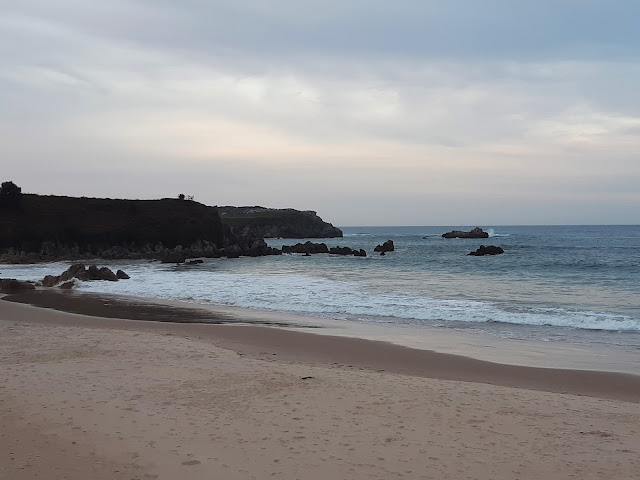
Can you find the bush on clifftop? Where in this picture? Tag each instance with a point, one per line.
(10, 195)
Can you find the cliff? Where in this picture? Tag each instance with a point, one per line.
(276, 223)
(50, 227)
(42, 228)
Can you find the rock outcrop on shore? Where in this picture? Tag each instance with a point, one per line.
(80, 272)
(11, 285)
(488, 250)
(475, 233)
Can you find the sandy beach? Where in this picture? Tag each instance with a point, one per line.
(107, 398)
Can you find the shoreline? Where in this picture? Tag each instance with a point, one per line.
(570, 355)
(115, 399)
(295, 346)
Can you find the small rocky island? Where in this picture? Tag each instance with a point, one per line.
(488, 250)
(475, 233)
(387, 246)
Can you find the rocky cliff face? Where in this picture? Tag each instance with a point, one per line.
(47, 228)
(276, 223)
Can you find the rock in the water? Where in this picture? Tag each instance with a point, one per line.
(310, 248)
(80, 272)
(341, 250)
(488, 250)
(307, 247)
(475, 233)
(77, 270)
(192, 262)
(11, 285)
(105, 273)
(122, 275)
(50, 281)
(93, 273)
(67, 285)
(382, 254)
(385, 247)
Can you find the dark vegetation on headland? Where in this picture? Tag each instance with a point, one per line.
(43, 228)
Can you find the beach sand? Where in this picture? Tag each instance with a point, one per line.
(83, 397)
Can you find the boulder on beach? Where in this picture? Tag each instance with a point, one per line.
(475, 233)
(50, 280)
(488, 250)
(385, 247)
(11, 285)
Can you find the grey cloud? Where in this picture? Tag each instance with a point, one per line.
(499, 29)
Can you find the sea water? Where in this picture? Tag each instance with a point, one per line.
(553, 283)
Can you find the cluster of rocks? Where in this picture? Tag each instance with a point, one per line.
(488, 250)
(234, 246)
(475, 233)
(310, 248)
(79, 271)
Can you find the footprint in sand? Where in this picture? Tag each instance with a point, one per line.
(191, 462)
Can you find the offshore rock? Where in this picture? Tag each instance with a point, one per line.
(105, 273)
(385, 247)
(347, 251)
(307, 247)
(310, 248)
(475, 233)
(488, 250)
(122, 275)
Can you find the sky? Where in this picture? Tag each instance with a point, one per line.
(456, 112)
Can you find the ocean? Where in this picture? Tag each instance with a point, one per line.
(577, 284)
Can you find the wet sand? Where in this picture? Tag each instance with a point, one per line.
(92, 397)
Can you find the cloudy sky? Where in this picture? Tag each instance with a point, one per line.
(444, 112)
